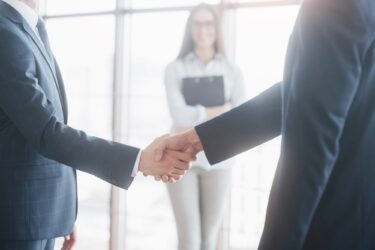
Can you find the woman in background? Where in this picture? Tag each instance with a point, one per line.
(198, 200)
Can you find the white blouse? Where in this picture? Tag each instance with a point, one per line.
(189, 116)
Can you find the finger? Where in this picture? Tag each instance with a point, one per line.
(145, 175)
(186, 166)
(71, 245)
(182, 156)
(181, 165)
(68, 243)
(74, 237)
(171, 179)
(72, 241)
(178, 178)
(165, 178)
(159, 151)
(198, 147)
(177, 171)
(65, 244)
(174, 177)
(174, 162)
(69, 240)
(157, 178)
(192, 151)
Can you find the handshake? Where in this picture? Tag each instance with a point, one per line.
(168, 157)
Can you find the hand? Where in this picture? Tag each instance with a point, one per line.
(172, 163)
(70, 240)
(188, 142)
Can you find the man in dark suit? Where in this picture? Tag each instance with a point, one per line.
(39, 152)
(323, 193)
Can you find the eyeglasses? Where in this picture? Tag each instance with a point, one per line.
(207, 25)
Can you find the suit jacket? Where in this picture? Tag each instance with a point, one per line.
(39, 152)
(323, 193)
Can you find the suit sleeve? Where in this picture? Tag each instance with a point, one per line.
(323, 71)
(25, 103)
(244, 127)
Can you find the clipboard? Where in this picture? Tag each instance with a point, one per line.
(207, 91)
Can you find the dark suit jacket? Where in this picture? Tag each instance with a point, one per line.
(39, 153)
(323, 194)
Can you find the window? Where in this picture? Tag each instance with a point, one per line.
(85, 48)
(167, 3)
(261, 42)
(154, 42)
(58, 7)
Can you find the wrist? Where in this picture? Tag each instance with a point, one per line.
(192, 136)
(136, 164)
(141, 162)
(227, 106)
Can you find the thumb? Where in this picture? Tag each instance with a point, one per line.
(159, 153)
(160, 147)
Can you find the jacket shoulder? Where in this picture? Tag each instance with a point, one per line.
(13, 41)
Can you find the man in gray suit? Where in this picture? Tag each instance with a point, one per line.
(39, 152)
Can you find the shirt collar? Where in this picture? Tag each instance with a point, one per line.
(30, 15)
(192, 57)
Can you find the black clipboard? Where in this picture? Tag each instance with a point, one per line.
(207, 91)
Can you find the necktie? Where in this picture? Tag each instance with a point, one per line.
(41, 26)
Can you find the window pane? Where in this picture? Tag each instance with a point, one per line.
(262, 37)
(84, 48)
(151, 49)
(260, 1)
(56, 7)
(168, 3)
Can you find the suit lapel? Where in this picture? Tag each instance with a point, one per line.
(62, 91)
(51, 61)
(41, 48)
(15, 17)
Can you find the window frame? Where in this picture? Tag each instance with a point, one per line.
(121, 83)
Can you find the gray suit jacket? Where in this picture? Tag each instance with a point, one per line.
(39, 152)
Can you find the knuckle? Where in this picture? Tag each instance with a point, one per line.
(169, 162)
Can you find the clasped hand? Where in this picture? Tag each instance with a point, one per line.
(168, 157)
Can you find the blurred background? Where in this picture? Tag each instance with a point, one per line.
(113, 54)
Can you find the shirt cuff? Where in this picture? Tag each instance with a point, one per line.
(136, 164)
(202, 114)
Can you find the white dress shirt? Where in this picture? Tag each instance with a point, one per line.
(189, 116)
(32, 17)
(29, 14)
